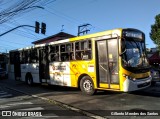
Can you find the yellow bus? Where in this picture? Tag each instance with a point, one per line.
(109, 60)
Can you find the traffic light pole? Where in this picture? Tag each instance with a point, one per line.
(16, 28)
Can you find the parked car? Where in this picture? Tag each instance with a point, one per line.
(155, 73)
(3, 73)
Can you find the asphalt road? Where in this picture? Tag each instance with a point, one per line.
(112, 105)
(18, 105)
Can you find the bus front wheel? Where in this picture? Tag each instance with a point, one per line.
(29, 80)
(87, 86)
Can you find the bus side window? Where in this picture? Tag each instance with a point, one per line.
(78, 55)
(68, 48)
(29, 56)
(78, 51)
(54, 57)
(17, 57)
(62, 50)
(25, 57)
(86, 54)
(86, 50)
(34, 56)
(71, 52)
(65, 57)
(22, 57)
(67, 52)
(54, 53)
(77, 46)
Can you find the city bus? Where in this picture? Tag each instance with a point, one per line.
(109, 60)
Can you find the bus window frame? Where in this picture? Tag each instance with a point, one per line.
(79, 53)
(71, 54)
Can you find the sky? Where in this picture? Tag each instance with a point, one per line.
(101, 14)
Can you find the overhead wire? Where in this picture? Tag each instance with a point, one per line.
(78, 21)
(43, 3)
(16, 9)
(70, 19)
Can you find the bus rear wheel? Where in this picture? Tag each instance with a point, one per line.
(29, 80)
(87, 86)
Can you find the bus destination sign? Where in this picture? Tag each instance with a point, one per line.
(133, 34)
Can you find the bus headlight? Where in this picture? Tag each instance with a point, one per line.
(129, 77)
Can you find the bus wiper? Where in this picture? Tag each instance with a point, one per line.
(124, 58)
(123, 52)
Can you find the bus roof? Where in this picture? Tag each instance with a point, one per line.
(113, 32)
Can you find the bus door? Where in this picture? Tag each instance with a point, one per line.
(107, 63)
(17, 66)
(43, 65)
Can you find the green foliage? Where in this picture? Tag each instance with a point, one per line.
(155, 31)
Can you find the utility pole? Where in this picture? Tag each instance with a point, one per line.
(83, 29)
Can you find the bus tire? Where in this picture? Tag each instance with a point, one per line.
(87, 86)
(29, 80)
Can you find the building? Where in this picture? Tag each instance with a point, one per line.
(56, 37)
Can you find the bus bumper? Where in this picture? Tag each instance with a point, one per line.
(130, 85)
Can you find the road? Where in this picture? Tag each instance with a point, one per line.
(16, 104)
(105, 104)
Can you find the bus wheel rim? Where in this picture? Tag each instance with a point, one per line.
(87, 85)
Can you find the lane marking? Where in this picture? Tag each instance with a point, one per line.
(34, 108)
(20, 103)
(14, 104)
(65, 106)
(4, 96)
(3, 106)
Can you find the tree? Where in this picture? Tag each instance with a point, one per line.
(155, 31)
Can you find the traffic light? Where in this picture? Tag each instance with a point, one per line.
(37, 27)
(43, 28)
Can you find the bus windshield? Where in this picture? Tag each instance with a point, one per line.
(134, 55)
